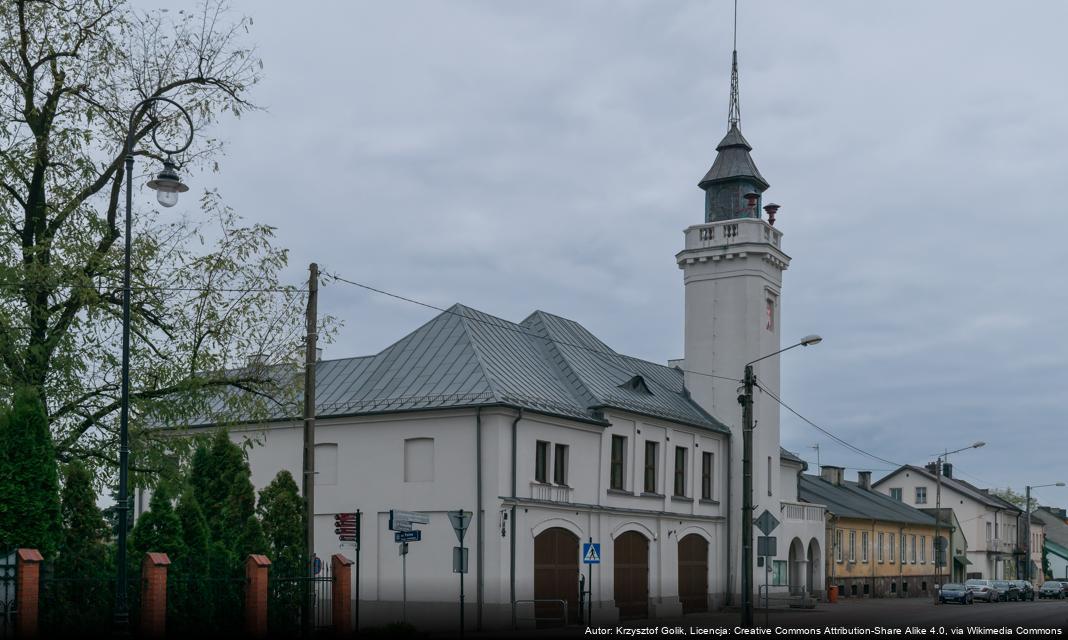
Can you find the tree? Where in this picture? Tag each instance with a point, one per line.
(206, 291)
(1018, 499)
(281, 509)
(193, 600)
(221, 482)
(158, 529)
(29, 480)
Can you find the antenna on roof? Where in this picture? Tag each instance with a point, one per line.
(734, 116)
(817, 448)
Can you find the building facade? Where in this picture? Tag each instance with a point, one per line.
(879, 547)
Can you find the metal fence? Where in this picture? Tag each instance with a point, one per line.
(212, 604)
(8, 568)
(82, 605)
(286, 601)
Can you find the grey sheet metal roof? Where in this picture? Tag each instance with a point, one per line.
(1056, 529)
(850, 501)
(960, 486)
(463, 357)
(792, 457)
(733, 161)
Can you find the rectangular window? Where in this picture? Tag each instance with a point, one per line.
(864, 546)
(837, 545)
(921, 495)
(903, 548)
(541, 461)
(895, 493)
(769, 475)
(619, 452)
(419, 460)
(769, 323)
(706, 475)
(852, 546)
(680, 471)
(923, 549)
(650, 467)
(779, 573)
(560, 465)
(879, 549)
(989, 535)
(912, 549)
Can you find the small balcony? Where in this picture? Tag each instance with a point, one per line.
(550, 492)
(731, 232)
(803, 512)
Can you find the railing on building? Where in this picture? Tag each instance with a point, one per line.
(803, 512)
(550, 492)
(718, 234)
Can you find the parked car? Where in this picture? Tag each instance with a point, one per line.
(1027, 590)
(955, 592)
(983, 590)
(1007, 590)
(1052, 589)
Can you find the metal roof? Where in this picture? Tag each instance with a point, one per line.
(848, 500)
(960, 486)
(733, 161)
(463, 358)
(1056, 529)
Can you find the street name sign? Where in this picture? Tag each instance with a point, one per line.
(591, 553)
(408, 536)
(403, 520)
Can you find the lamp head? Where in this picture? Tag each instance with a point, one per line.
(167, 184)
(1060, 484)
(978, 444)
(811, 340)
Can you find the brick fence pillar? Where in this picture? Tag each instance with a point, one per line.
(27, 589)
(341, 594)
(154, 594)
(256, 595)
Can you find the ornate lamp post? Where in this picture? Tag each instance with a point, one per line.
(746, 401)
(167, 185)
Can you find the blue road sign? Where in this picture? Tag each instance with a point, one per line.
(408, 536)
(591, 553)
(317, 565)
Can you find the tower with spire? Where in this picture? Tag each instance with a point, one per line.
(732, 266)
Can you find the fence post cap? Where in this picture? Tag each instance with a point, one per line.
(340, 559)
(30, 555)
(158, 559)
(258, 560)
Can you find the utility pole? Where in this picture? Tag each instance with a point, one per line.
(1027, 558)
(938, 528)
(310, 359)
(746, 401)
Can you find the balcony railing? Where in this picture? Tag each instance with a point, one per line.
(730, 232)
(550, 492)
(803, 512)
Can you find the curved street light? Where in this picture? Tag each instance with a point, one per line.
(939, 559)
(746, 400)
(167, 185)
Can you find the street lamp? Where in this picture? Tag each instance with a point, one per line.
(746, 400)
(167, 185)
(1027, 558)
(942, 457)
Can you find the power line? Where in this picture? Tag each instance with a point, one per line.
(34, 285)
(506, 327)
(824, 431)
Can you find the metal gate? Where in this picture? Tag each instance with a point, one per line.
(286, 601)
(8, 567)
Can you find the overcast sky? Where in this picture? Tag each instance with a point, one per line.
(545, 155)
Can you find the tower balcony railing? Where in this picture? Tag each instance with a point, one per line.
(730, 232)
(803, 512)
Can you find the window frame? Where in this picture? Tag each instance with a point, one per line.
(652, 454)
(560, 460)
(912, 548)
(891, 547)
(838, 551)
(921, 491)
(679, 485)
(619, 464)
(923, 549)
(707, 466)
(853, 545)
(864, 537)
(541, 461)
(879, 550)
(897, 493)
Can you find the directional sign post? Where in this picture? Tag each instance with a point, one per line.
(347, 528)
(407, 536)
(766, 548)
(460, 519)
(401, 522)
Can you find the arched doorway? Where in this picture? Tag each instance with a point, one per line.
(693, 573)
(631, 575)
(814, 580)
(798, 569)
(556, 571)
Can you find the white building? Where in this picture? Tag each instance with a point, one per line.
(991, 525)
(553, 439)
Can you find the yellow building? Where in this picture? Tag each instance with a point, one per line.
(879, 547)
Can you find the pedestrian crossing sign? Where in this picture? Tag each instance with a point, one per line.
(591, 553)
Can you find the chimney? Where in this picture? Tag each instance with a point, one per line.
(772, 209)
(864, 480)
(318, 354)
(832, 474)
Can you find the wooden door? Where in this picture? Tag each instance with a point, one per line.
(631, 575)
(693, 573)
(556, 573)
